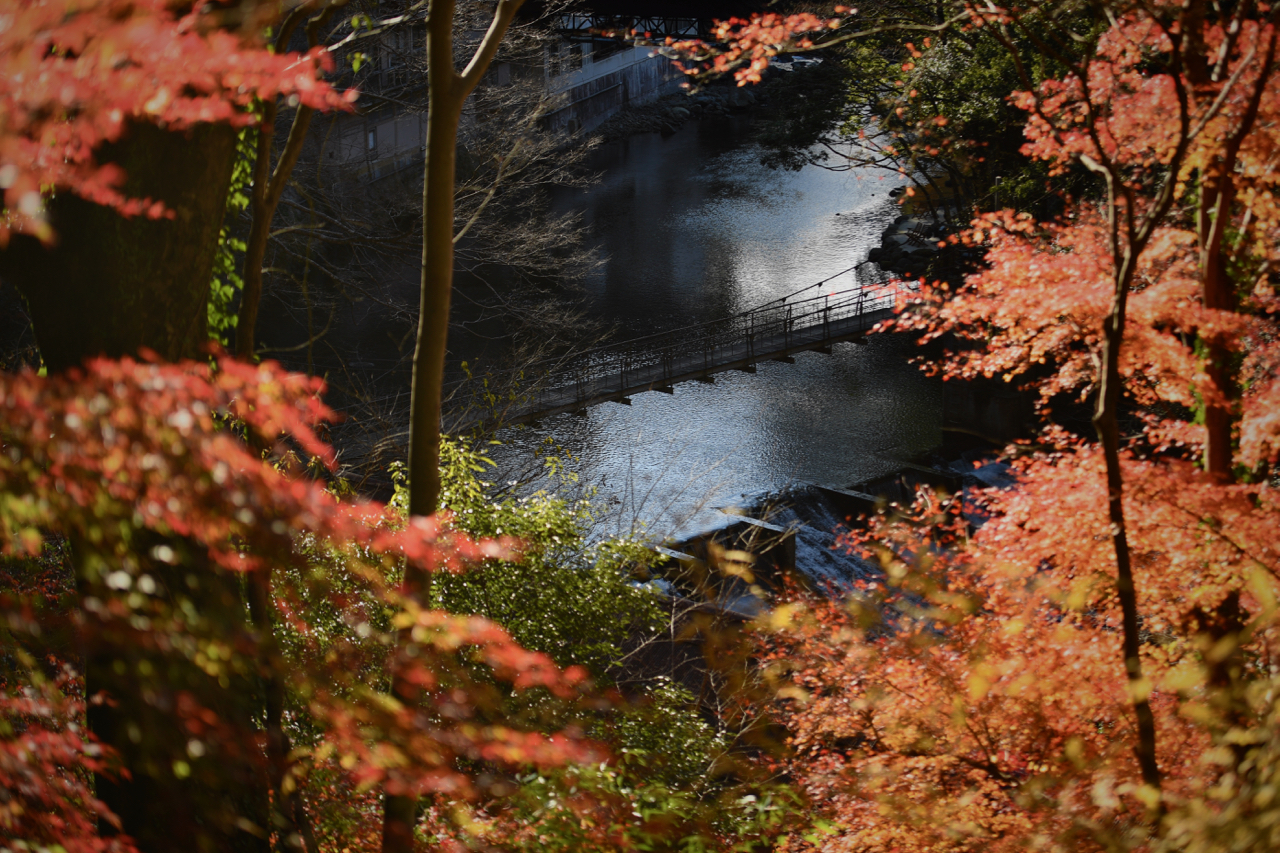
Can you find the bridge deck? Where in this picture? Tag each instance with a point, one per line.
(738, 355)
(615, 371)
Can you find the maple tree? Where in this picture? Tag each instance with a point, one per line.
(130, 453)
(119, 128)
(144, 503)
(1093, 668)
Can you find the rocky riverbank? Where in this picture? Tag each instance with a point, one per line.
(915, 244)
(909, 244)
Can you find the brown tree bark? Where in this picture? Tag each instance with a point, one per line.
(1217, 198)
(268, 185)
(448, 91)
(112, 285)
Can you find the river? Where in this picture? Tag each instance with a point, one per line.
(694, 229)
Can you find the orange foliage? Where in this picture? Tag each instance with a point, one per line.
(748, 45)
(105, 456)
(978, 699)
(77, 72)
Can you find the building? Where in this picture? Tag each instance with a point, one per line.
(588, 76)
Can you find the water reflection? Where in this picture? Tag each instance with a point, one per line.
(694, 229)
(669, 460)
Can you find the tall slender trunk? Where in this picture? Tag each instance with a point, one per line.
(1217, 293)
(1106, 422)
(447, 92)
(444, 109)
(1217, 197)
(268, 185)
(434, 297)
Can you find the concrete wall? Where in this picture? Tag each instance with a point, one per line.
(385, 137)
(372, 145)
(595, 89)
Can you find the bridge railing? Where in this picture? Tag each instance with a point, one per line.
(661, 358)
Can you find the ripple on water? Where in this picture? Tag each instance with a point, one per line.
(668, 460)
(693, 228)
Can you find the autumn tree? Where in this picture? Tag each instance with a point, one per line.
(144, 503)
(130, 111)
(127, 454)
(1092, 668)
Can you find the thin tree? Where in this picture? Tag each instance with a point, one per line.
(268, 185)
(448, 91)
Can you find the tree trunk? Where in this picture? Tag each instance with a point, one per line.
(266, 197)
(111, 285)
(268, 185)
(1217, 198)
(1106, 422)
(448, 91)
(175, 798)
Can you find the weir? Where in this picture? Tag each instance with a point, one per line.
(776, 330)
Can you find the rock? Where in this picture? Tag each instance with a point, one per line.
(678, 113)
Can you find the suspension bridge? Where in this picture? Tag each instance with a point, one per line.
(614, 371)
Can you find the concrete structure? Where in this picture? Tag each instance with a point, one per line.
(590, 77)
(595, 79)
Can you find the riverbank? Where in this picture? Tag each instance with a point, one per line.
(979, 417)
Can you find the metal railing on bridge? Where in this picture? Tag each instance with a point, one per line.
(615, 370)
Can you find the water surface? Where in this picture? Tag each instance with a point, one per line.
(694, 229)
